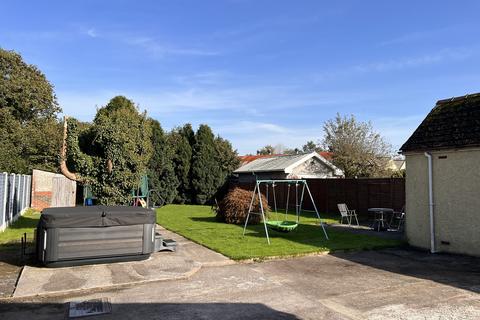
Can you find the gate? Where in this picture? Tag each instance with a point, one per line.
(63, 192)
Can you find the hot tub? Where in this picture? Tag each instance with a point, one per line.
(98, 234)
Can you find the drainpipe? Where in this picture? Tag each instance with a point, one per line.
(430, 202)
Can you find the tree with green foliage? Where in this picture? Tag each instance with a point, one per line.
(205, 171)
(227, 161)
(188, 133)
(161, 171)
(266, 150)
(356, 148)
(24, 89)
(291, 151)
(116, 150)
(11, 146)
(31, 134)
(182, 159)
(310, 147)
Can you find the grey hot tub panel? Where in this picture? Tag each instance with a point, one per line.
(68, 236)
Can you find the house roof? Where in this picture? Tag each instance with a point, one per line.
(282, 163)
(249, 158)
(326, 154)
(453, 123)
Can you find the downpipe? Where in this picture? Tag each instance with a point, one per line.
(430, 202)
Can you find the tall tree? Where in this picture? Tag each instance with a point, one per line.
(188, 133)
(357, 149)
(24, 89)
(227, 161)
(204, 166)
(117, 148)
(182, 159)
(161, 171)
(29, 128)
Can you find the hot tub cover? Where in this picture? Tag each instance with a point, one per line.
(95, 216)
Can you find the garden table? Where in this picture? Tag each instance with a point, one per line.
(379, 218)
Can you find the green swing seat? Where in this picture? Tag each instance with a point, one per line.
(282, 226)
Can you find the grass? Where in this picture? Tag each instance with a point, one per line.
(198, 223)
(10, 238)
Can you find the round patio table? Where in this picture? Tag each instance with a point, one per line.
(379, 218)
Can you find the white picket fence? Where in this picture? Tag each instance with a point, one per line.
(15, 197)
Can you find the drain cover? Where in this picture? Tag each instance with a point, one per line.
(92, 307)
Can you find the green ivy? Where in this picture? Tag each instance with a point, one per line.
(119, 134)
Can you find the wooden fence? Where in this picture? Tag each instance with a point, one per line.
(358, 194)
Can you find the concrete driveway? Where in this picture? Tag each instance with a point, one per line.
(388, 284)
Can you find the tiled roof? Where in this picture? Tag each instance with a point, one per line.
(249, 158)
(452, 123)
(327, 155)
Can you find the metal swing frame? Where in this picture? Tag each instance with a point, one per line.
(298, 205)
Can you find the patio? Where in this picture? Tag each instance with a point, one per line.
(386, 284)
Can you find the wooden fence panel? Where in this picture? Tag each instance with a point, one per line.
(358, 194)
(63, 193)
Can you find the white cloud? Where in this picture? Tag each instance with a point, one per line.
(249, 136)
(250, 117)
(159, 49)
(441, 56)
(252, 128)
(398, 64)
(92, 33)
(251, 100)
(424, 35)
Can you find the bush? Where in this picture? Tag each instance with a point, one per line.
(234, 207)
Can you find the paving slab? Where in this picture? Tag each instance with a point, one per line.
(194, 251)
(362, 229)
(9, 271)
(161, 266)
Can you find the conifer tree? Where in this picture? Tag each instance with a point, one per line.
(182, 158)
(204, 165)
(161, 172)
(227, 161)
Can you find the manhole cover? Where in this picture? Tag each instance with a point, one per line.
(77, 309)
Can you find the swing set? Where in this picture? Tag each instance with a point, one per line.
(277, 224)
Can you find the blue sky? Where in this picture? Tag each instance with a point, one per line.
(258, 72)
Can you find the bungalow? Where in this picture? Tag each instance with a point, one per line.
(443, 179)
(298, 166)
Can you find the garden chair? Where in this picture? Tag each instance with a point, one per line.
(347, 214)
(398, 220)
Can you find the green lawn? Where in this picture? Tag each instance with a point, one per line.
(199, 224)
(10, 238)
